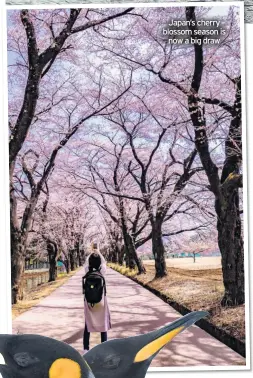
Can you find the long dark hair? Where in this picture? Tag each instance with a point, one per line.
(94, 262)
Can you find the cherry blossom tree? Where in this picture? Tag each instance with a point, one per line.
(207, 83)
(225, 187)
(200, 242)
(35, 53)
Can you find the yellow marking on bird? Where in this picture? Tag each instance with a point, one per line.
(153, 347)
(65, 368)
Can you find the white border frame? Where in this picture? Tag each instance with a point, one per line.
(5, 267)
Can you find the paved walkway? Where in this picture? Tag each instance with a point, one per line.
(134, 310)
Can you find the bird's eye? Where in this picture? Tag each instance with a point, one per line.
(25, 359)
(111, 362)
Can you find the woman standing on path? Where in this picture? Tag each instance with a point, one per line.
(97, 317)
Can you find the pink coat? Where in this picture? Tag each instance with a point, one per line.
(97, 318)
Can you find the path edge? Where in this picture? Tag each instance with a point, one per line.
(218, 333)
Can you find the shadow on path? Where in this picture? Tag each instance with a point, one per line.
(135, 311)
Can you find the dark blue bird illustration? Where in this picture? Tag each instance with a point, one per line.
(132, 356)
(35, 356)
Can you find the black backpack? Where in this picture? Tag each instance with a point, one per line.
(93, 287)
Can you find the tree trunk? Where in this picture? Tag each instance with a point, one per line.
(126, 256)
(19, 235)
(77, 249)
(158, 249)
(131, 255)
(52, 271)
(231, 248)
(73, 259)
(17, 266)
(121, 255)
(194, 257)
(226, 189)
(52, 258)
(67, 264)
(113, 254)
(133, 258)
(81, 256)
(18, 245)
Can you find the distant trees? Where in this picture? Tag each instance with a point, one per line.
(63, 229)
(199, 242)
